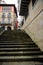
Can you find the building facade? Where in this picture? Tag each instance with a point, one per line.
(32, 10)
(8, 16)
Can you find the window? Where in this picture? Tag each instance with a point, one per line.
(9, 15)
(3, 15)
(22, 22)
(34, 2)
(9, 20)
(6, 9)
(3, 22)
(26, 13)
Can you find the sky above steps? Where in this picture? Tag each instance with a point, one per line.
(12, 2)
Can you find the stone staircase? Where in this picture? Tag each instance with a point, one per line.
(17, 46)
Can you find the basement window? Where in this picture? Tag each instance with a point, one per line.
(34, 3)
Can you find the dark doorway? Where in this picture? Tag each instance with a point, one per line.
(3, 28)
(8, 28)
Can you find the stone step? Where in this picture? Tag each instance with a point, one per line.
(13, 42)
(21, 54)
(14, 52)
(18, 46)
(20, 59)
(21, 49)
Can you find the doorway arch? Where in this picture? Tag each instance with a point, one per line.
(8, 28)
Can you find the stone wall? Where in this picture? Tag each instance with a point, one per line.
(34, 23)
